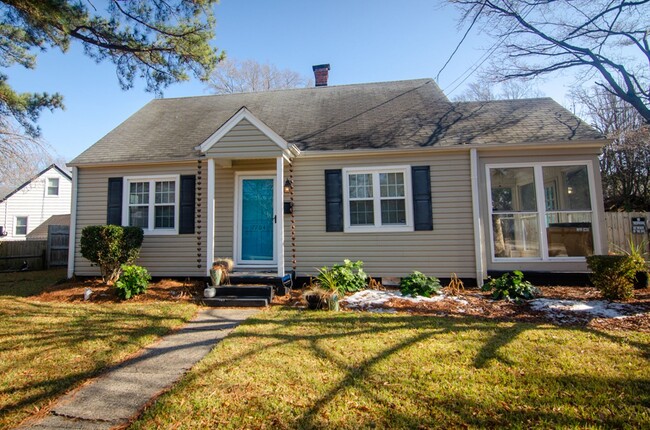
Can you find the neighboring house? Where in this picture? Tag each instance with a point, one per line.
(29, 205)
(390, 173)
(41, 232)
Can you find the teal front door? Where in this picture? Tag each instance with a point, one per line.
(257, 222)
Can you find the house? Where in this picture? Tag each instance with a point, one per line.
(28, 206)
(390, 173)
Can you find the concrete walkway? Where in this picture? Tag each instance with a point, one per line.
(119, 394)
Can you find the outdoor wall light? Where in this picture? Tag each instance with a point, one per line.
(288, 185)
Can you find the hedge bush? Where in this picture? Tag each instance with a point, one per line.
(133, 280)
(613, 275)
(111, 246)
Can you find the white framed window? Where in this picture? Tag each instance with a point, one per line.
(20, 226)
(377, 199)
(542, 211)
(52, 186)
(152, 203)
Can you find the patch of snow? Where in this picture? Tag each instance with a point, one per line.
(596, 308)
(371, 298)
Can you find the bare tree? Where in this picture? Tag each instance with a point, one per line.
(606, 39)
(625, 162)
(23, 157)
(233, 76)
(484, 90)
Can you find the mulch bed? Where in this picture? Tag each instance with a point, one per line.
(479, 304)
(159, 290)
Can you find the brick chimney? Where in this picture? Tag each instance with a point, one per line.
(320, 74)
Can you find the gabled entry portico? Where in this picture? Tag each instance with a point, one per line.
(246, 161)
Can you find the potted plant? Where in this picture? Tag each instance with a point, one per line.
(315, 297)
(218, 275)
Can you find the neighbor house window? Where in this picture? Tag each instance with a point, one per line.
(377, 199)
(541, 211)
(21, 226)
(52, 186)
(152, 204)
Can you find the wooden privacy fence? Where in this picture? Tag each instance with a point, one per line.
(57, 245)
(620, 230)
(14, 254)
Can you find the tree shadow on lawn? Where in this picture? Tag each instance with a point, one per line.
(571, 392)
(62, 346)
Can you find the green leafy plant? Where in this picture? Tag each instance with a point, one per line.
(133, 280)
(343, 278)
(511, 286)
(613, 275)
(419, 284)
(111, 246)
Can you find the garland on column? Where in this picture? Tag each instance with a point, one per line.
(199, 198)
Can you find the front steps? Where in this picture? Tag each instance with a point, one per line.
(241, 296)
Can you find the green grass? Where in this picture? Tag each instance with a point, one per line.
(48, 348)
(297, 369)
(25, 284)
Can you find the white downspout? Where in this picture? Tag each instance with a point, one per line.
(476, 215)
(73, 223)
(279, 214)
(210, 232)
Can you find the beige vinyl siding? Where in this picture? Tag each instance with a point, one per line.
(224, 197)
(448, 248)
(244, 141)
(162, 255)
(539, 156)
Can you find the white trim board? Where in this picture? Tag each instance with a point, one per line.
(289, 150)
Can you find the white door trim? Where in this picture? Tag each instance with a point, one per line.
(239, 177)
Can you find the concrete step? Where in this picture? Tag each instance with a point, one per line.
(237, 302)
(245, 291)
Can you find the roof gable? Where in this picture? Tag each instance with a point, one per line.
(35, 177)
(245, 117)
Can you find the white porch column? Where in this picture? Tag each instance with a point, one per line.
(476, 214)
(210, 220)
(279, 213)
(72, 241)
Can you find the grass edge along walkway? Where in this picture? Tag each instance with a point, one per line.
(298, 369)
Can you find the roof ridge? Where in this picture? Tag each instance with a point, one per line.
(324, 88)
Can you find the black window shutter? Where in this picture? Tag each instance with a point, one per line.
(421, 182)
(333, 200)
(186, 209)
(114, 210)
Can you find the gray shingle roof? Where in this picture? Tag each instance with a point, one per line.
(400, 114)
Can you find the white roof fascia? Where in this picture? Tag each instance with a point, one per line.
(241, 114)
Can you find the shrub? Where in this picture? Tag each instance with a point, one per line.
(133, 280)
(511, 286)
(111, 246)
(344, 278)
(419, 284)
(613, 275)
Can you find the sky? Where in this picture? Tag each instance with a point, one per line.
(362, 40)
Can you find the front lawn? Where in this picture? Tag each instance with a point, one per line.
(48, 348)
(298, 369)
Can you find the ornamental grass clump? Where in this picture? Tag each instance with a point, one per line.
(613, 275)
(419, 284)
(511, 286)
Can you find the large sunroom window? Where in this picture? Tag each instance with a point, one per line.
(541, 211)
